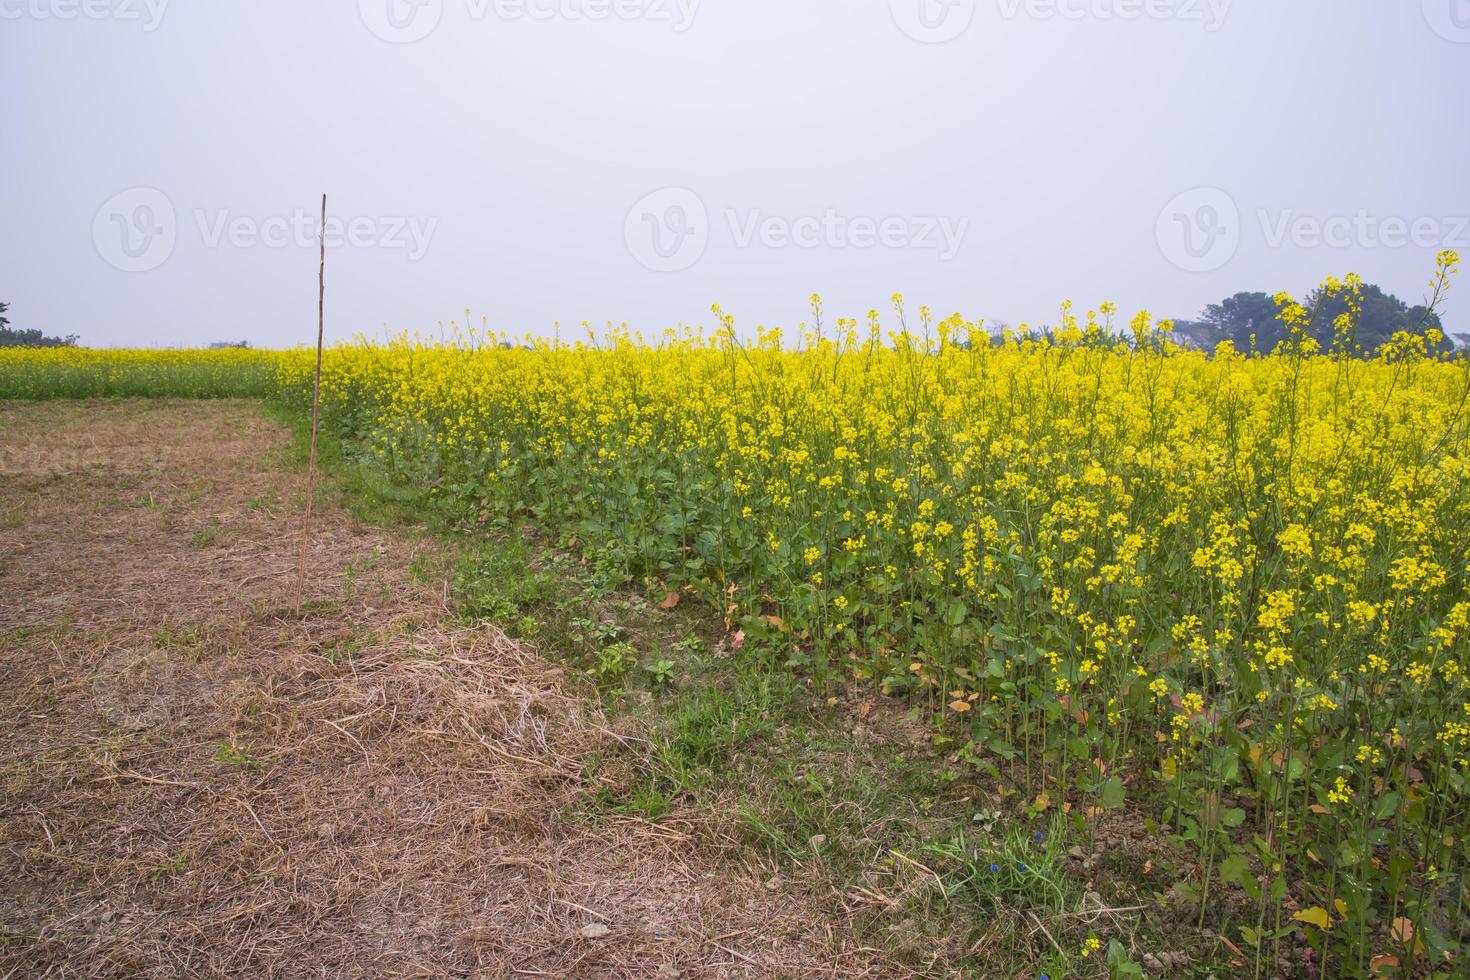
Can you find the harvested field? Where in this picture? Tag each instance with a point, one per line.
(197, 780)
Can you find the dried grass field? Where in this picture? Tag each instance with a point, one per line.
(197, 781)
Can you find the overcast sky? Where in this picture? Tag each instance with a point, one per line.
(638, 160)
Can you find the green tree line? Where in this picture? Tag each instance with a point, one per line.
(1251, 321)
(12, 337)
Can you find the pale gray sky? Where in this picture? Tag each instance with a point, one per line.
(543, 160)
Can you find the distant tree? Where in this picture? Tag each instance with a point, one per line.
(1195, 333)
(33, 338)
(1245, 317)
(28, 338)
(1382, 316)
(227, 344)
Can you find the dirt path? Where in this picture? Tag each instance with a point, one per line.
(195, 781)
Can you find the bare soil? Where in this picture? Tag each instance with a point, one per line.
(197, 780)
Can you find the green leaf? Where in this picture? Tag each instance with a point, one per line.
(1120, 964)
(1233, 818)
(1110, 795)
(1386, 805)
(1003, 749)
(1235, 869)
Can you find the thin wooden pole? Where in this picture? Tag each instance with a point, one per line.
(316, 401)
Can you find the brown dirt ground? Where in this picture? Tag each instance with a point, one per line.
(195, 780)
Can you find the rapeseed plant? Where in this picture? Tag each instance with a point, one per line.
(1227, 589)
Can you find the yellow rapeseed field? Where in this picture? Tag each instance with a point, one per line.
(1226, 591)
(71, 372)
(1229, 591)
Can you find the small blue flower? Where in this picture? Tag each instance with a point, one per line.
(994, 868)
(1046, 976)
(1039, 835)
(1021, 866)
